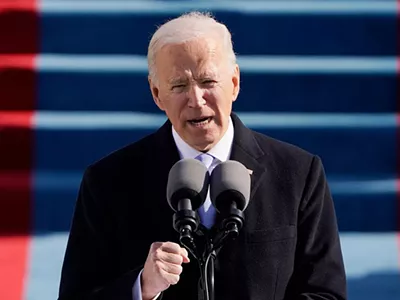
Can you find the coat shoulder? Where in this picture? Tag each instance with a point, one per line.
(134, 155)
(276, 149)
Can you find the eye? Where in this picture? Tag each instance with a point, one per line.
(208, 82)
(178, 86)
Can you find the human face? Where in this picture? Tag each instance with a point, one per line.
(196, 86)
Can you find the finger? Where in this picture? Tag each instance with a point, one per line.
(171, 247)
(185, 255)
(171, 268)
(170, 278)
(171, 258)
(154, 246)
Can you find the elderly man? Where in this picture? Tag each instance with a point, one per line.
(122, 244)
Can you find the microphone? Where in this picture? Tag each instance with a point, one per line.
(230, 193)
(187, 187)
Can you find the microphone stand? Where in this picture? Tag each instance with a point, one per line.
(185, 222)
(230, 227)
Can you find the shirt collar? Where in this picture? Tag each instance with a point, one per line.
(221, 151)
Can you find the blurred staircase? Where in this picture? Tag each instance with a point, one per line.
(318, 74)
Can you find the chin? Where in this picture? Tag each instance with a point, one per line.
(205, 144)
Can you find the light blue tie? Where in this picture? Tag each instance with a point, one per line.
(207, 210)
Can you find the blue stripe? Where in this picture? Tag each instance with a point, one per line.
(54, 120)
(244, 7)
(248, 64)
(55, 181)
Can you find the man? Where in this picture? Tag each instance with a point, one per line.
(122, 244)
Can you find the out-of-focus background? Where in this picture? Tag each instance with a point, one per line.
(73, 87)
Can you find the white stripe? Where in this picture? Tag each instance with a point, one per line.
(248, 64)
(97, 120)
(318, 120)
(364, 254)
(370, 253)
(306, 64)
(385, 186)
(46, 255)
(54, 120)
(91, 63)
(247, 7)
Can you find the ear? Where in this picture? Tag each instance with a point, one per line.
(236, 82)
(155, 93)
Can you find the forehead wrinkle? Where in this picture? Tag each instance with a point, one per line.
(178, 76)
(205, 63)
(188, 75)
(175, 80)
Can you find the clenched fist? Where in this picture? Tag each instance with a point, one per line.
(162, 268)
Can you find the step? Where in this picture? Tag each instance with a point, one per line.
(371, 262)
(291, 28)
(361, 205)
(307, 84)
(105, 82)
(359, 145)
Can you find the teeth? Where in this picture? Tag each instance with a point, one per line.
(200, 121)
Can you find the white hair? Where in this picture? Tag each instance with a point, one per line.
(184, 28)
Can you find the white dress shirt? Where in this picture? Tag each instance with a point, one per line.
(221, 151)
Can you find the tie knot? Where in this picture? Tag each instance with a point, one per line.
(206, 159)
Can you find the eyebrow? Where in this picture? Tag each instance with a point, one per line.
(207, 75)
(176, 80)
(204, 75)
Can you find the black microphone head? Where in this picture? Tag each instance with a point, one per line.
(230, 182)
(187, 179)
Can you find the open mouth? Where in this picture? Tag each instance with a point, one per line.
(200, 121)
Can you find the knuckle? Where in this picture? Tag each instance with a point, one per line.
(173, 258)
(179, 270)
(158, 265)
(172, 269)
(153, 249)
(167, 244)
(173, 246)
(165, 277)
(176, 269)
(158, 253)
(179, 259)
(155, 245)
(174, 279)
(167, 268)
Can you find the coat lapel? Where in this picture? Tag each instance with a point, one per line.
(247, 151)
(167, 152)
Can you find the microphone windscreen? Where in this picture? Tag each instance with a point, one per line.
(230, 182)
(187, 179)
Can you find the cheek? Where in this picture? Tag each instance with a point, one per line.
(213, 97)
(175, 104)
(218, 100)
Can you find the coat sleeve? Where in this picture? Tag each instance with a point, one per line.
(89, 268)
(319, 270)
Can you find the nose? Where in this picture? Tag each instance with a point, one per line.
(195, 97)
